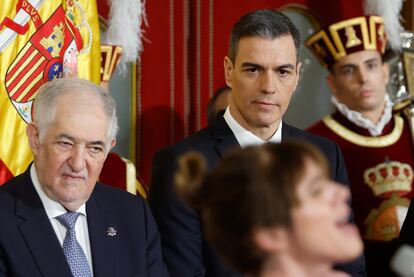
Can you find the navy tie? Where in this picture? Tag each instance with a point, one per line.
(71, 247)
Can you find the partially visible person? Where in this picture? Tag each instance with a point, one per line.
(377, 144)
(262, 69)
(407, 230)
(55, 219)
(220, 101)
(272, 210)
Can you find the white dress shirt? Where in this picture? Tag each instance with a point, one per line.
(54, 209)
(245, 137)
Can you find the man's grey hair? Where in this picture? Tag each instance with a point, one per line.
(265, 24)
(45, 102)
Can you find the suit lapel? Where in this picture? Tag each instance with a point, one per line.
(290, 132)
(102, 235)
(222, 132)
(286, 131)
(37, 230)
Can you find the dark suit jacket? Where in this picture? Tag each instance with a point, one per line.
(185, 251)
(407, 230)
(29, 246)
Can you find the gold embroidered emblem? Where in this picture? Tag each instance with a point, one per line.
(320, 50)
(365, 141)
(384, 223)
(352, 39)
(389, 177)
(381, 37)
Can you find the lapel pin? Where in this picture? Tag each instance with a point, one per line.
(111, 231)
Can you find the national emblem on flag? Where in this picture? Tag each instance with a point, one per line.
(39, 40)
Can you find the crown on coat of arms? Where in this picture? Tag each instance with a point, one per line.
(389, 177)
(346, 37)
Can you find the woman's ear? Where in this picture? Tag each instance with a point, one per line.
(272, 239)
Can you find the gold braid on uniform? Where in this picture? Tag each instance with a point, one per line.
(366, 141)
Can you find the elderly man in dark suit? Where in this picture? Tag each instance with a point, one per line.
(262, 70)
(55, 219)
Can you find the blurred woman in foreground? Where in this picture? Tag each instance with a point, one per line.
(271, 210)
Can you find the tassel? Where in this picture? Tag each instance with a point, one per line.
(124, 29)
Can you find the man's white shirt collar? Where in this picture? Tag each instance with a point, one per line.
(53, 209)
(245, 137)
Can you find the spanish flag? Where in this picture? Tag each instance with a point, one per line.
(40, 40)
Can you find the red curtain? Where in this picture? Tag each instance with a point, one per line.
(182, 63)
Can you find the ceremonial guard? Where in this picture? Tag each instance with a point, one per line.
(376, 142)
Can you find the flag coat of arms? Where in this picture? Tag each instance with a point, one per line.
(40, 40)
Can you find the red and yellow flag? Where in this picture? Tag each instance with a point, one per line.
(40, 40)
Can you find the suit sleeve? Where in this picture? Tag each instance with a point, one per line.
(155, 263)
(355, 268)
(341, 174)
(3, 270)
(179, 225)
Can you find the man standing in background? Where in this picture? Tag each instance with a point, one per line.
(262, 70)
(219, 101)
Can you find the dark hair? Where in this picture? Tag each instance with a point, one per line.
(251, 188)
(211, 106)
(263, 23)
